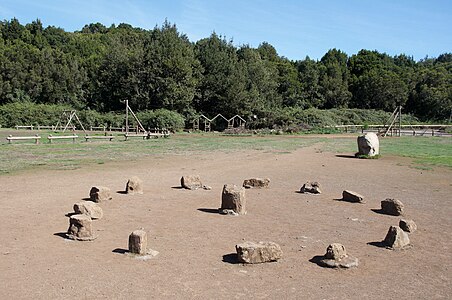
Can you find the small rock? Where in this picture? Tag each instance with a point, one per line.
(335, 251)
(227, 212)
(100, 194)
(89, 208)
(311, 188)
(254, 253)
(256, 183)
(134, 186)
(351, 196)
(233, 198)
(407, 225)
(392, 207)
(206, 187)
(138, 242)
(80, 228)
(336, 257)
(191, 182)
(396, 238)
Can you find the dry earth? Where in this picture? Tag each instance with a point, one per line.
(195, 244)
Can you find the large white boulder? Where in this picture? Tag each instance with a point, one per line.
(368, 144)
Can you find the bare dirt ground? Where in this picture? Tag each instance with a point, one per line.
(195, 243)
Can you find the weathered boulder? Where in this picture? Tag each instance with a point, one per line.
(311, 188)
(351, 196)
(392, 207)
(256, 183)
(138, 242)
(407, 225)
(80, 228)
(134, 186)
(368, 144)
(191, 182)
(396, 238)
(100, 194)
(88, 208)
(254, 253)
(233, 199)
(336, 257)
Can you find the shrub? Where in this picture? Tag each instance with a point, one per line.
(161, 118)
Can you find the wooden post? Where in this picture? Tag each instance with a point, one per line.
(127, 116)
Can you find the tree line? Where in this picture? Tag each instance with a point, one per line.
(98, 67)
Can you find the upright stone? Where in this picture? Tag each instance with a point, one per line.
(100, 194)
(191, 182)
(256, 183)
(138, 242)
(368, 144)
(396, 238)
(351, 196)
(233, 199)
(408, 225)
(134, 186)
(254, 253)
(335, 251)
(392, 207)
(88, 208)
(80, 228)
(311, 188)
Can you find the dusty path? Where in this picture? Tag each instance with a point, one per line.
(36, 263)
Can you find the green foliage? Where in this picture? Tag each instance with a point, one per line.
(27, 113)
(161, 118)
(98, 67)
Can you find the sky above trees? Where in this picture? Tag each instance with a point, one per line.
(295, 28)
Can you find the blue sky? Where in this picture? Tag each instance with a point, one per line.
(295, 28)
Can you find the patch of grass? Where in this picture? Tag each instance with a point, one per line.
(425, 151)
(365, 156)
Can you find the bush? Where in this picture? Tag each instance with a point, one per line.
(28, 113)
(161, 118)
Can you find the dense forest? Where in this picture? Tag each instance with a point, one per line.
(97, 67)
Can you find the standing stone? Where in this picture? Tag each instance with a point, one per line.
(256, 183)
(396, 238)
(80, 228)
(368, 144)
(233, 200)
(254, 253)
(100, 194)
(336, 257)
(351, 196)
(311, 188)
(392, 207)
(138, 242)
(191, 182)
(408, 225)
(134, 186)
(88, 208)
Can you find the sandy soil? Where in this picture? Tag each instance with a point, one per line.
(195, 243)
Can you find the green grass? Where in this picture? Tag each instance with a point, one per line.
(426, 152)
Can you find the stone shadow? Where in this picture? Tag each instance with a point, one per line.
(231, 258)
(209, 210)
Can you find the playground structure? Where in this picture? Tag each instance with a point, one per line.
(235, 121)
(67, 117)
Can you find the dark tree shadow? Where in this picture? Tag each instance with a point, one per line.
(209, 210)
(120, 251)
(345, 156)
(177, 187)
(380, 244)
(121, 192)
(231, 258)
(62, 235)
